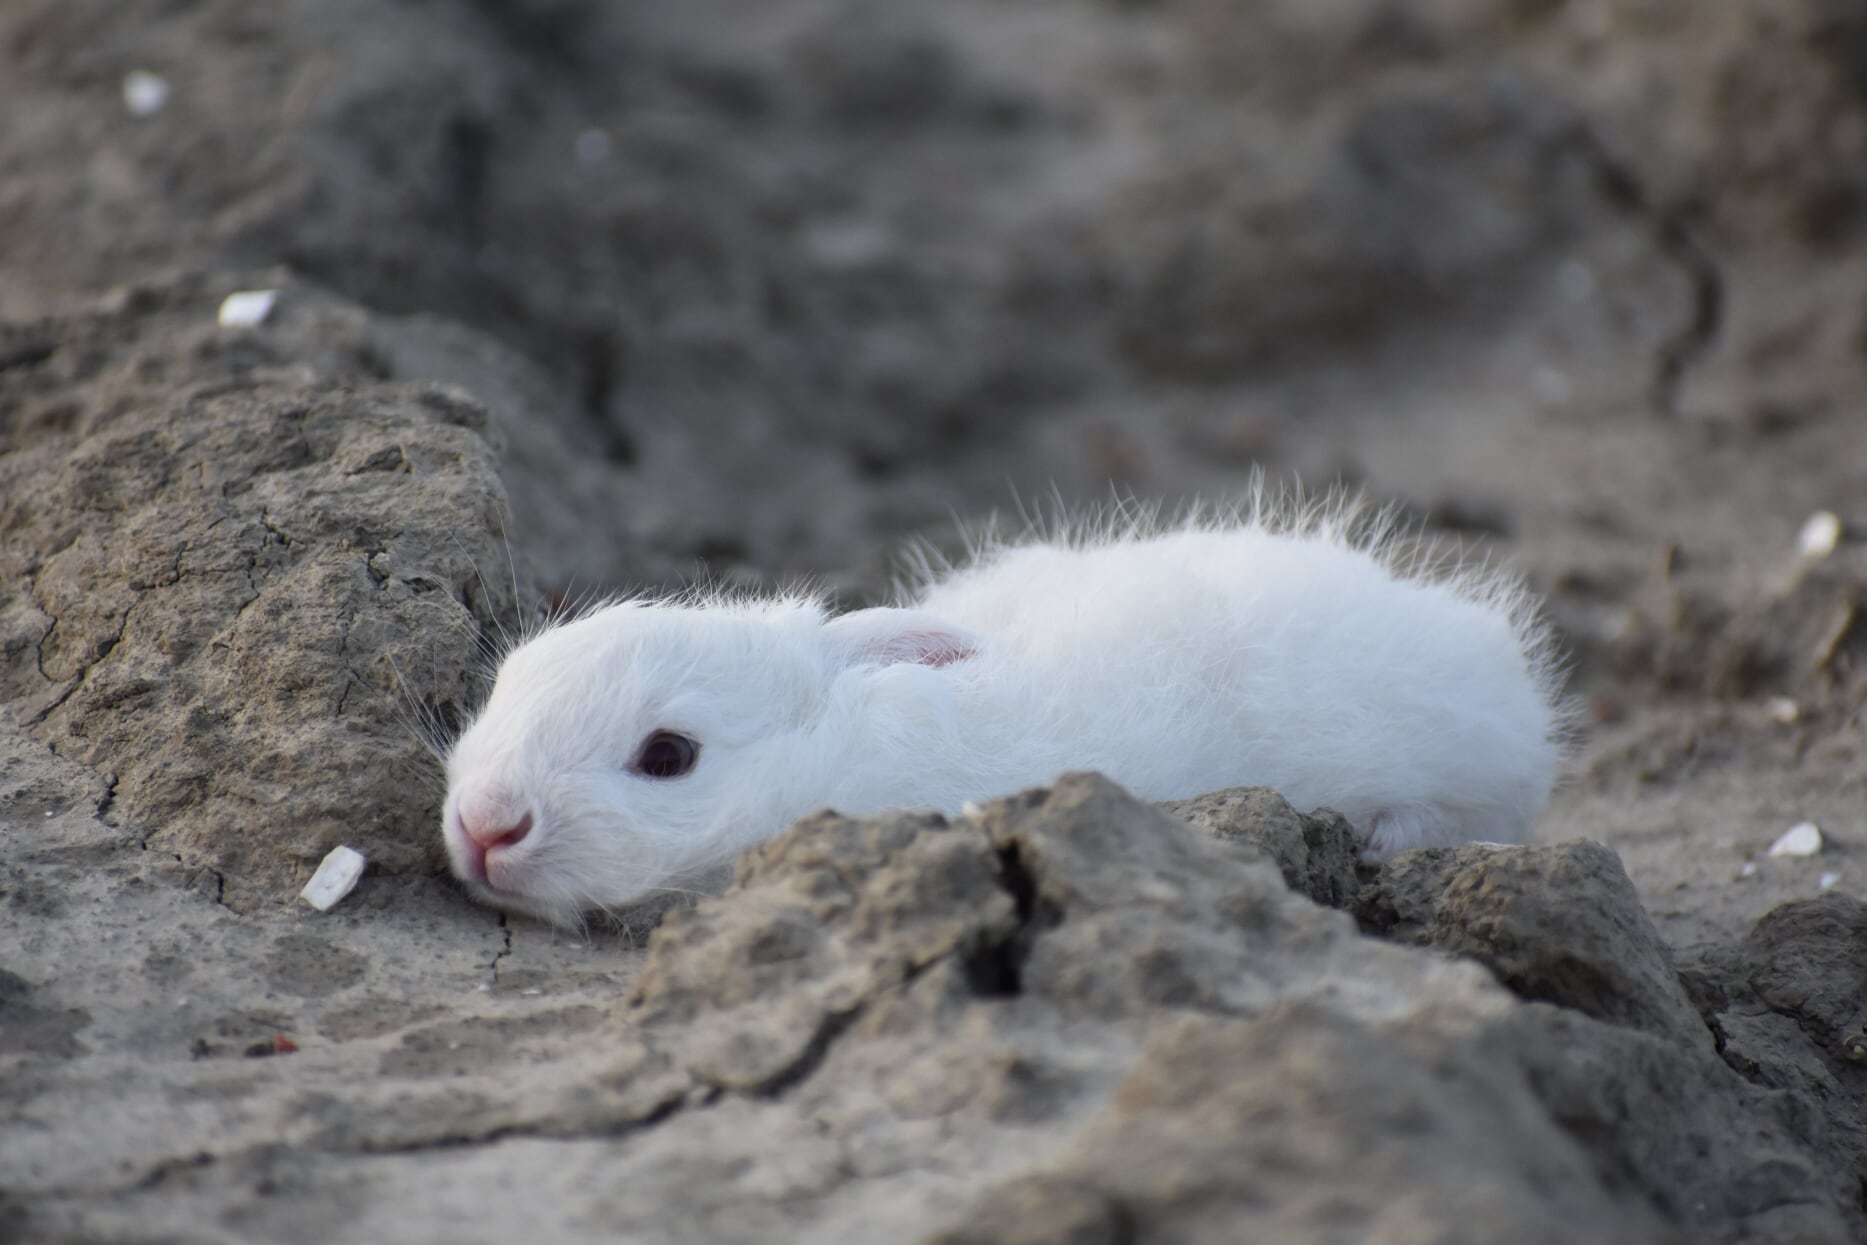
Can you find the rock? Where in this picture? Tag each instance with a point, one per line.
(288, 584)
(846, 951)
(335, 877)
(754, 992)
(1802, 839)
(1559, 923)
(1819, 534)
(1792, 1004)
(1710, 1150)
(1203, 1049)
(1244, 1130)
(1316, 852)
(1067, 1017)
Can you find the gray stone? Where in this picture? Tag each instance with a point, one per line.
(1559, 923)
(1316, 852)
(243, 588)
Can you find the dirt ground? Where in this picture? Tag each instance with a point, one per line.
(576, 296)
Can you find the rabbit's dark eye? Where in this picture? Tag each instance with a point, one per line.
(666, 755)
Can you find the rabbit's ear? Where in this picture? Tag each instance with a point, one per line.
(890, 637)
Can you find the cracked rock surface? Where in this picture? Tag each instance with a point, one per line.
(575, 297)
(1067, 1017)
(224, 581)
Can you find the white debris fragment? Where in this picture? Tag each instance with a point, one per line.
(1828, 880)
(336, 877)
(246, 308)
(1783, 709)
(1801, 839)
(1749, 869)
(1820, 533)
(144, 93)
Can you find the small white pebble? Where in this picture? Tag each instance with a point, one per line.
(485, 987)
(1820, 533)
(592, 147)
(1801, 839)
(1828, 880)
(144, 93)
(1749, 870)
(1783, 709)
(247, 308)
(336, 877)
(531, 993)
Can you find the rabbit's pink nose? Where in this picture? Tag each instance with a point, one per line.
(482, 837)
(491, 835)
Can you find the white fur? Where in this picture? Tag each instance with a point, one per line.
(1303, 649)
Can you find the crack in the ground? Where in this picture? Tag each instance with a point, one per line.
(505, 931)
(381, 579)
(545, 1131)
(467, 1138)
(347, 621)
(44, 637)
(66, 693)
(1009, 949)
(830, 1026)
(251, 572)
(1678, 243)
(994, 965)
(105, 646)
(109, 645)
(32, 591)
(1006, 951)
(155, 1176)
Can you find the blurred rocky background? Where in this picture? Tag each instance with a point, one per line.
(573, 296)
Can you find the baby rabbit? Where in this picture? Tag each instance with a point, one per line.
(640, 747)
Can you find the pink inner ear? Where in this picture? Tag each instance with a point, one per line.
(929, 649)
(896, 637)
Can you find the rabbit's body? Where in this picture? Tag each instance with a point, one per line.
(1257, 651)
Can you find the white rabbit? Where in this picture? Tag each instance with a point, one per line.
(638, 748)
